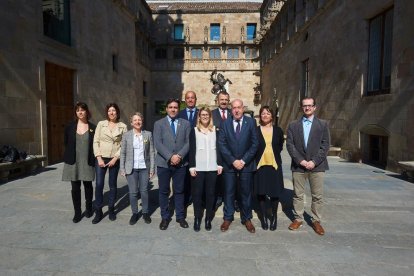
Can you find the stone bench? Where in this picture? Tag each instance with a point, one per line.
(407, 168)
(27, 166)
(334, 151)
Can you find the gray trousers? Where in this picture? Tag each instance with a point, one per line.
(316, 186)
(138, 181)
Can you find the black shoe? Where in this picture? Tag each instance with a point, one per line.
(164, 224)
(77, 217)
(264, 223)
(88, 213)
(273, 223)
(147, 218)
(197, 223)
(208, 224)
(112, 215)
(98, 216)
(134, 219)
(182, 223)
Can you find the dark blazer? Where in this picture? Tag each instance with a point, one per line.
(217, 121)
(277, 144)
(167, 145)
(318, 145)
(69, 155)
(183, 115)
(193, 150)
(243, 148)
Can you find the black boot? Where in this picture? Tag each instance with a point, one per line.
(273, 220)
(76, 199)
(208, 224)
(197, 223)
(262, 214)
(112, 215)
(88, 199)
(98, 216)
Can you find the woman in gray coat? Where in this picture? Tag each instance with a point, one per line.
(137, 164)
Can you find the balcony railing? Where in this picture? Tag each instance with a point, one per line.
(206, 64)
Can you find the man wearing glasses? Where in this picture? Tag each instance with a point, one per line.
(308, 143)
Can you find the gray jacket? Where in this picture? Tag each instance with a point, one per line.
(127, 151)
(167, 145)
(317, 149)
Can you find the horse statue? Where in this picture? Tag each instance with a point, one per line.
(218, 81)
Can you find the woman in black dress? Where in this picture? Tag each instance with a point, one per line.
(269, 175)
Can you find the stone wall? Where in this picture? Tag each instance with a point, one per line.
(335, 43)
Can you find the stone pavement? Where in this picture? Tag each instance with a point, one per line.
(368, 221)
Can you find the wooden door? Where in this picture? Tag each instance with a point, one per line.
(59, 108)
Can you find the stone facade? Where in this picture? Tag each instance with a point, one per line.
(172, 76)
(101, 51)
(321, 49)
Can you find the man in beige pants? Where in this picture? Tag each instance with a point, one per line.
(308, 143)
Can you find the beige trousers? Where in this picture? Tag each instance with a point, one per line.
(316, 186)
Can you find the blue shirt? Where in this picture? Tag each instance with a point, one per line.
(307, 124)
(175, 122)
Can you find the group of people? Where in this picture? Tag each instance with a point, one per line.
(209, 156)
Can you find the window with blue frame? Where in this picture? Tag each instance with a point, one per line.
(178, 32)
(251, 31)
(214, 32)
(196, 53)
(56, 20)
(215, 53)
(251, 53)
(232, 53)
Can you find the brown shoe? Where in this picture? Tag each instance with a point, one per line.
(225, 225)
(249, 226)
(295, 225)
(317, 227)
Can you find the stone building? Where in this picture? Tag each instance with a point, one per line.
(54, 53)
(192, 38)
(357, 59)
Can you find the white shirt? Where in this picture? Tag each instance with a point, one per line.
(235, 124)
(206, 153)
(139, 159)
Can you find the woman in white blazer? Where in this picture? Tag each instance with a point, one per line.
(137, 164)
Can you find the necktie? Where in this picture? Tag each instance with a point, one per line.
(191, 116)
(172, 126)
(238, 129)
(223, 115)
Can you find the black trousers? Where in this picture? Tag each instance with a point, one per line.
(204, 184)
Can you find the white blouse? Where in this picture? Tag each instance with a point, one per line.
(206, 154)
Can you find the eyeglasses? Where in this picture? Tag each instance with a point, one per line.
(308, 105)
(204, 115)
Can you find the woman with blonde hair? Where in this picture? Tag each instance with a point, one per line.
(204, 166)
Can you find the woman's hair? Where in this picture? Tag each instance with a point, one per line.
(85, 107)
(114, 105)
(210, 124)
(264, 108)
(139, 114)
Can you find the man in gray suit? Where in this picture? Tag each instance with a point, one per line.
(171, 140)
(308, 143)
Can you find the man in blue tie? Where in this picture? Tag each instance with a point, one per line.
(171, 140)
(308, 143)
(238, 145)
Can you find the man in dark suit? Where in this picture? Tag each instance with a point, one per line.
(308, 143)
(171, 140)
(221, 114)
(191, 111)
(190, 114)
(238, 145)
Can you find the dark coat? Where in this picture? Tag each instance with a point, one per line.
(277, 144)
(243, 148)
(317, 149)
(217, 121)
(183, 115)
(69, 156)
